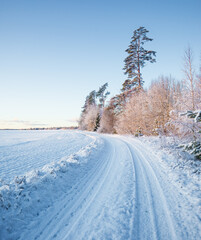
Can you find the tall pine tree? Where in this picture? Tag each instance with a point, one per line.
(136, 59)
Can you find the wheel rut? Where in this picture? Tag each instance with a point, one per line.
(151, 212)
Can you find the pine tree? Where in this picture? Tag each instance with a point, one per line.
(90, 100)
(136, 59)
(97, 124)
(102, 95)
(118, 103)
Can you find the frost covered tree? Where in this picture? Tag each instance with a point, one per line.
(189, 78)
(136, 59)
(102, 95)
(90, 121)
(107, 120)
(147, 112)
(189, 100)
(91, 114)
(194, 147)
(90, 100)
(189, 119)
(198, 89)
(134, 119)
(90, 103)
(118, 102)
(161, 100)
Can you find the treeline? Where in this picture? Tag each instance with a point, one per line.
(167, 107)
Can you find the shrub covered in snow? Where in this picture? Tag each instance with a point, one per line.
(194, 147)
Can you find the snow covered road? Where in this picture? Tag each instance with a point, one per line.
(113, 188)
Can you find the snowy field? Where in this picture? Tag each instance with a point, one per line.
(23, 151)
(80, 185)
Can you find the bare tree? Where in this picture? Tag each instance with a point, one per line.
(189, 76)
(198, 88)
(161, 100)
(134, 119)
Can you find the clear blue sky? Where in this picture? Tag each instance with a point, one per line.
(53, 53)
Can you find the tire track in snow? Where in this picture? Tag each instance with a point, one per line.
(109, 215)
(148, 216)
(162, 226)
(183, 212)
(97, 194)
(77, 201)
(143, 197)
(94, 189)
(118, 193)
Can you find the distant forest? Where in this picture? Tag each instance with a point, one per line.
(47, 128)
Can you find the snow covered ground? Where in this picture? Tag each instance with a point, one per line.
(23, 151)
(80, 185)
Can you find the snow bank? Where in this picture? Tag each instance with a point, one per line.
(30, 194)
(167, 148)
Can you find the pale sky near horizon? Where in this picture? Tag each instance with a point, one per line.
(53, 53)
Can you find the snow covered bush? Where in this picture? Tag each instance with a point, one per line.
(194, 147)
(107, 121)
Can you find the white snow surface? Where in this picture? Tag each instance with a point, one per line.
(23, 151)
(81, 185)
